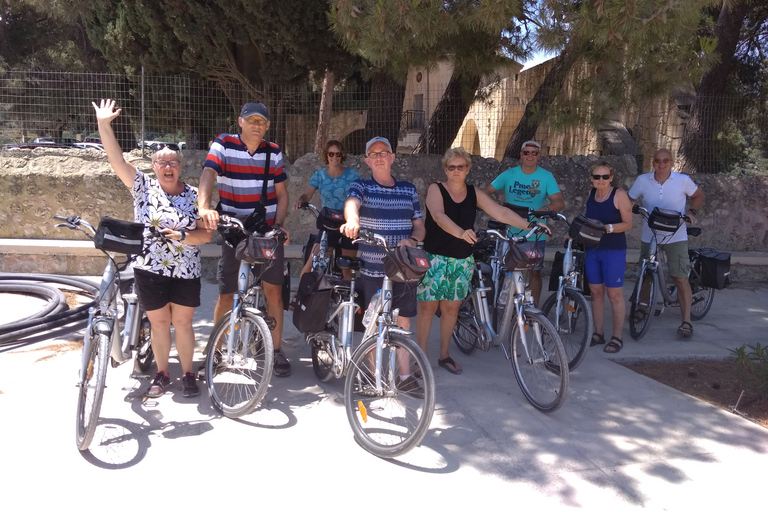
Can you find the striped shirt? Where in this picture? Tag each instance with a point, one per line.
(387, 211)
(241, 174)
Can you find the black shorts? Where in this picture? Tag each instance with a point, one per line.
(156, 291)
(403, 295)
(229, 265)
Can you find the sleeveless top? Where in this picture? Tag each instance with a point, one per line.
(437, 241)
(606, 213)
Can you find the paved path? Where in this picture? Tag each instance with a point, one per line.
(620, 442)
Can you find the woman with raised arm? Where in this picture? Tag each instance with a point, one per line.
(168, 269)
(451, 209)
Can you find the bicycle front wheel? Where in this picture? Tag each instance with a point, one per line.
(322, 359)
(238, 380)
(91, 385)
(393, 420)
(466, 333)
(702, 298)
(541, 371)
(642, 309)
(574, 323)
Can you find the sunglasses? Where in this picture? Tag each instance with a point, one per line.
(601, 176)
(662, 160)
(332, 154)
(534, 153)
(456, 167)
(256, 120)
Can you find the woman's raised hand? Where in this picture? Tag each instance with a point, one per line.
(106, 110)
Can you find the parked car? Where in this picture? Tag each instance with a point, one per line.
(44, 140)
(89, 145)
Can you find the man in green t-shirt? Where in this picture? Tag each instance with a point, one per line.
(528, 185)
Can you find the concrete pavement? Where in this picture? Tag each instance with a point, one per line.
(620, 442)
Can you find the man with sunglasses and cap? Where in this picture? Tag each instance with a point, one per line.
(239, 164)
(530, 186)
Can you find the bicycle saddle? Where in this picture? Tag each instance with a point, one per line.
(348, 262)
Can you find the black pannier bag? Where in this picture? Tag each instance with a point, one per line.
(256, 249)
(714, 268)
(557, 271)
(664, 220)
(587, 231)
(522, 256)
(330, 219)
(406, 264)
(121, 236)
(310, 306)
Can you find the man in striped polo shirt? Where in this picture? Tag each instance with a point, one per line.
(237, 164)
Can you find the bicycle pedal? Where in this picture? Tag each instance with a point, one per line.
(271, 322)
(657, 312)
(140, 376)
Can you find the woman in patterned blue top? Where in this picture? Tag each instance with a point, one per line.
(168, 270)
(333, 184)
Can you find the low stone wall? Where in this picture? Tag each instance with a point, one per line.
(40, 183)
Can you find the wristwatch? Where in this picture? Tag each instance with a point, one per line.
(609, 228)
(693, 211)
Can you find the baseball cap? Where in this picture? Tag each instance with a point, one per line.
(254, 109)
(374, 141)
(532, 143)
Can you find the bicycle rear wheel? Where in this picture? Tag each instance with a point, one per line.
(467, 332)
(322, 359)
(237, 382)
(392, 421)
(538, 371)
(144, 353)
(642, 311)
(574, 323)
(91, 389)
(702, 298)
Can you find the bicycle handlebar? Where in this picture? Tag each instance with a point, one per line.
(225, 221)
(639, 210)
(371, 238)
(491, 233)
(310, 207)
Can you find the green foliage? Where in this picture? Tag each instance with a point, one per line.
(751, 365)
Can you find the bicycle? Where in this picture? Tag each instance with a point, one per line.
(567, 308)
(539, 362)
(652, 279)
(388, 412)
(240, 351)
(102, 341)
(325, 261)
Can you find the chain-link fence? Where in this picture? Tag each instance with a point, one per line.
(55, 107)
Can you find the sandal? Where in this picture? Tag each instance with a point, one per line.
(597, 339)
(685, 330)
(450, 365)
(614, 345)
(639, 315)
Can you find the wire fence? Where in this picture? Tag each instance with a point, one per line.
(55, 107)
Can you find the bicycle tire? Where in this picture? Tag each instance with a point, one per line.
(701, 300)
(641, 316)
(540, 377)
(498, 311)
(467, 331)
(91, 389)
(144, 354)
(575, 324)
(237, 387)
(322, 360)
(390, 423)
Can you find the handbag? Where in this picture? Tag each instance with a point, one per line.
(256, 249)
(587, 231)
(115, 235)
(406, 264)
(523, 256)
(664, 220)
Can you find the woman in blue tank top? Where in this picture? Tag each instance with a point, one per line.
(606, 263)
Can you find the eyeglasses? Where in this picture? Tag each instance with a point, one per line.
(456, 167)
(662, 160)
(380, 154)
(256, 120)
(601, 176)
(167, 163)
(526, 153)
(332, 154)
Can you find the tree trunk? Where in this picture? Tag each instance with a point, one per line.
(699, 145)
(326, 112)
(449, 114)
(385, 108)
(537, 108)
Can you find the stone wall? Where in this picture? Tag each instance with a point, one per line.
(41, 183)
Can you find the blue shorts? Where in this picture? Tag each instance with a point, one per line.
(606, 266)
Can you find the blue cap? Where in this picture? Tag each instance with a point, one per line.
(254, 109)
(374, 141)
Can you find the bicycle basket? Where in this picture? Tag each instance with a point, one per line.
(587, 231)
(256, 249)
(406, 264)
(329, 219)
(664, 220)
(121, 236)
(523, 256)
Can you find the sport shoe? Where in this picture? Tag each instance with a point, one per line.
(159, 386)
(189, 385)
(410, 386)
(282, 367)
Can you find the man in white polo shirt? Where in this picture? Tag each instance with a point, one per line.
(669, 190)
